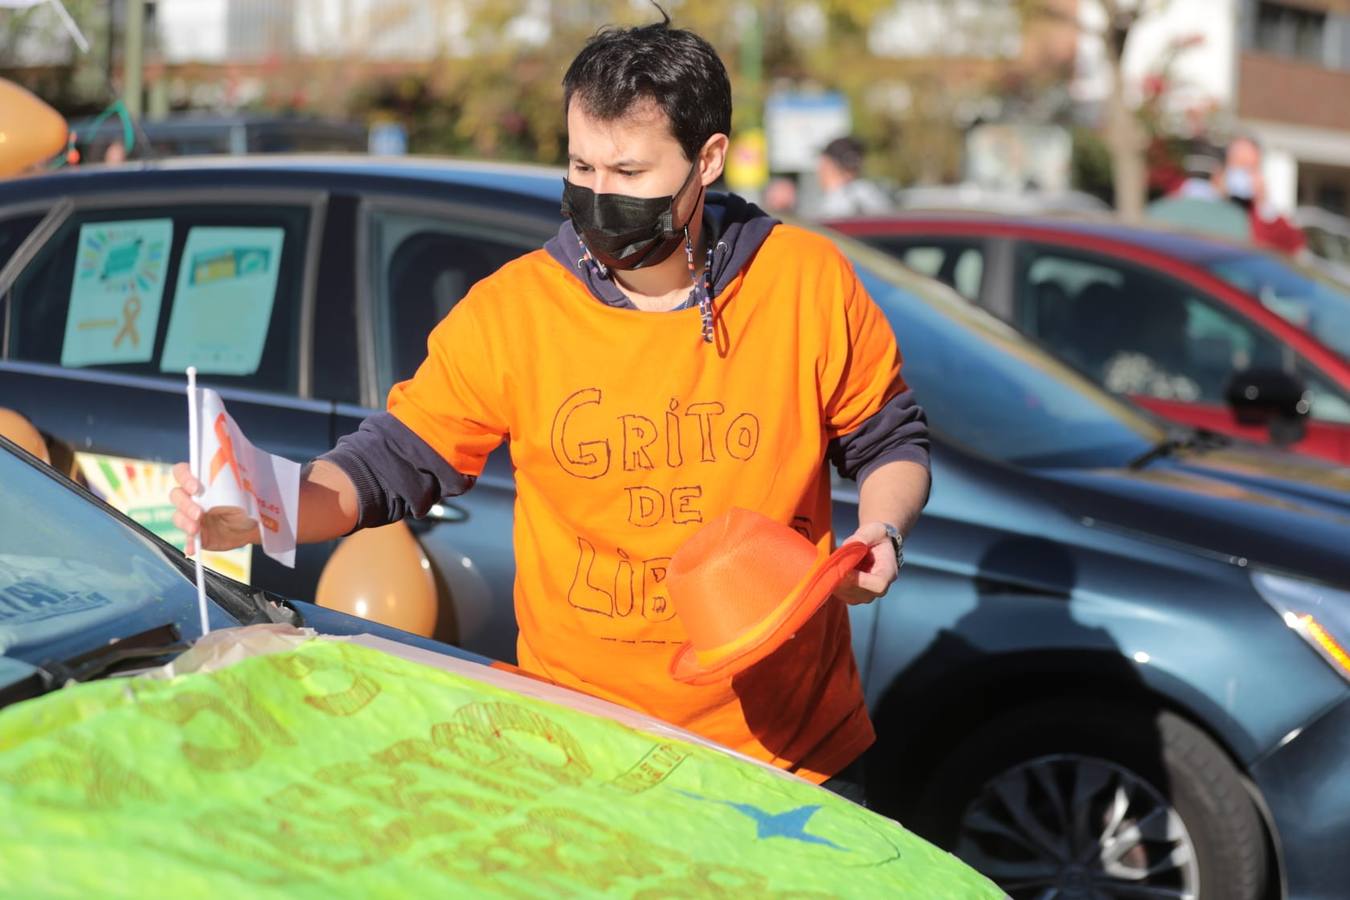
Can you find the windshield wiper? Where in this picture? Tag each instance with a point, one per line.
(165, 640)
(1195, 440)
(154, 643)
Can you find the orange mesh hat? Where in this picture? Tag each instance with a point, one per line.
(744, 584)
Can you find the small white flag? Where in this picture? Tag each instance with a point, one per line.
(235, 473)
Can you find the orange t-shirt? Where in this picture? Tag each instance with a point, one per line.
(626, 432)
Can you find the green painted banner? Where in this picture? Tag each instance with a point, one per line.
(334, 770)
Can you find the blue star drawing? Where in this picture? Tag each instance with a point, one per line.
(790, 824)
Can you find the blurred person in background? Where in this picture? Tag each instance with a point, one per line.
(1241, 181)
(1198, 203)
(1201, 164)
(780, 195)
(844, 192)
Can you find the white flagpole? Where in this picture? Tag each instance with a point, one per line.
(71, 27)
(194, 462)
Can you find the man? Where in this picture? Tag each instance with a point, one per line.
(1197, 204)
(844, 192)
(667, 356)
(1242, 182)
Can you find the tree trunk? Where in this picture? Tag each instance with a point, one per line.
(1125, 138)
(1126, 143)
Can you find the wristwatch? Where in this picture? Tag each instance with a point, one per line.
(897, 543)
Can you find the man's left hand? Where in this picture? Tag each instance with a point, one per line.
(876, 572)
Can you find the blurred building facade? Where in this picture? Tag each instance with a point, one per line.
(1277, 70)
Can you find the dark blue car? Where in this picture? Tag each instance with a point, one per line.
(1115, 660)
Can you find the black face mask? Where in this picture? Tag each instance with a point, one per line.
(624, 232)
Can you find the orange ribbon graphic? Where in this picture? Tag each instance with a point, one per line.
(131, 310)
(225, 455)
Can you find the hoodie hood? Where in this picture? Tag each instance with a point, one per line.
(737, 226)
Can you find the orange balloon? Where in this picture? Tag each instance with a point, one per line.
(31, 132)
(382, 574)
(21, 431)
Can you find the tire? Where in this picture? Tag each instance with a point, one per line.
(1051, 800)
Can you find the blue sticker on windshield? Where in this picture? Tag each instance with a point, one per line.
(43, 598)
(30, 601)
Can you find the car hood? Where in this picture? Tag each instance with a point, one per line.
(1267, 507)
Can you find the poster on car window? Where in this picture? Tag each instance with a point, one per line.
(140, 491)
(227, 283)
(116, 291)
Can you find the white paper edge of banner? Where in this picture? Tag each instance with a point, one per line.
(194, 463)
(276, 464)
(552, 693)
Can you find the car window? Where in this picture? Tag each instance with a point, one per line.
(957, 264)
(1314, 303)
(1327, 403)
(1136, 332)
(988, 388)
(152, 290)
(1328, 244)
(67, 567)
(12, 233)
(422, 265)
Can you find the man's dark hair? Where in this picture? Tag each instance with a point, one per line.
(678, 70)
(847, 154)
(1202, 158)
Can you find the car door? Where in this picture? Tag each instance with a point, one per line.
(417, 260)
(122, 293)
(1166, 345)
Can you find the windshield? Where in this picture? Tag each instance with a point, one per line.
(986, 387)
(1309, 301)
(73, 577)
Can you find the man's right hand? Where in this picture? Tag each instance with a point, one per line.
(222, 528)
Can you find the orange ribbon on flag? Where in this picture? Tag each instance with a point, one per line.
(225, 455)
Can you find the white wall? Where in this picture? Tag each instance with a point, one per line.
(1203, 73)
(192, 30)
(965, 28)
(196, 30)
(1279, 168)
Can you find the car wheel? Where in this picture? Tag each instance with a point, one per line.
(1078, 800)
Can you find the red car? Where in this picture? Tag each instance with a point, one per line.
(1203, 332)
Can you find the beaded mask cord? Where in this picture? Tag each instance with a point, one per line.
(702, 286)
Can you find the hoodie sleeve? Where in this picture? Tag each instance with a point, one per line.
(872, 416)
(395, 472)
(898, 431)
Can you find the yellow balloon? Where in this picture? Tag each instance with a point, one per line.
(382, 574)
(31, 132)
(21, 431)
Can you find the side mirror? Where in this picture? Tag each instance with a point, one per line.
(1270, 398)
